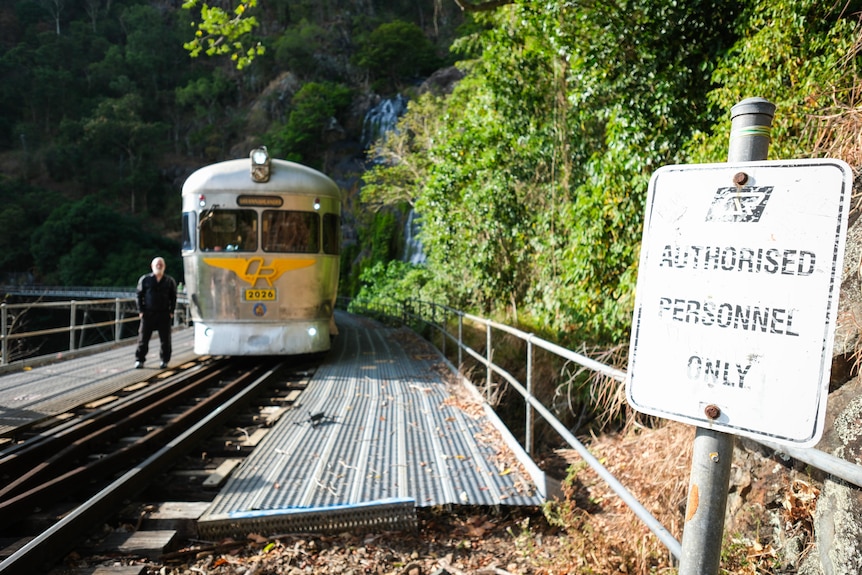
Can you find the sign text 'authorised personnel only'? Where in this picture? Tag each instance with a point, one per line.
(737, 296)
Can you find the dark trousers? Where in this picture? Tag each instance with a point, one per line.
(150, 322)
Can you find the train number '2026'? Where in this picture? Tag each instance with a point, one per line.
(260, 294)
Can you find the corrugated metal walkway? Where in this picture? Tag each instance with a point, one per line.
(383, 427)
(30, 393)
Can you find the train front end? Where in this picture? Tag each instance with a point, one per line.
(261, 242)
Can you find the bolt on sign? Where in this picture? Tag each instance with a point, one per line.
(737, 295)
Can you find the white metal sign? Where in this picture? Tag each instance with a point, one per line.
(737, 295)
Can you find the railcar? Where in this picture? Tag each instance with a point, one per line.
(260, 246)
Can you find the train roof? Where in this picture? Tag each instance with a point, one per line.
(235, 176)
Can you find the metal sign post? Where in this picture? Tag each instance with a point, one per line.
(751, 122)
(735, 308)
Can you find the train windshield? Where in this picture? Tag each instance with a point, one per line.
(228, 230)
(291, 232)
(188, 231)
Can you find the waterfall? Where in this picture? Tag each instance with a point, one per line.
(413, 252)
(378, 122)
(382, 119)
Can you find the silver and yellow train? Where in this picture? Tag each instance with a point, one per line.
(261, 242)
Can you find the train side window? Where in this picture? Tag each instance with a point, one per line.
(188, 231)
(291, 232)
(229, 231)
(331, 234)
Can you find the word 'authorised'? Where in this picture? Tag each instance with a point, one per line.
(735, 259)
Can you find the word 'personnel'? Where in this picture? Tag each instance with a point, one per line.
(773, 320)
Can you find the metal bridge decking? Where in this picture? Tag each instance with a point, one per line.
(383, 427)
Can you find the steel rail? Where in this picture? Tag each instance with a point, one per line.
(21, 459)
(62, 481)
(55, 542)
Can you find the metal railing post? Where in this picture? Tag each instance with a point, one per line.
(488, 356)
(117, 325)
(3, 319)
(445, 330)
(460, 340)
(72, 311)
(528, 438)
(83, 330)
(751, 121)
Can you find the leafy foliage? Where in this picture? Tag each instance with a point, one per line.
(220, 33)
(299, 48)
(396, 51)
(529, 177)
(116, 124)
(100, 98)
(795, 53)
(205, 101)
(532, 180)
(401, 159)
(397, 281)
(22, 209)
(302, 138)
(379, 245)
(87, 227)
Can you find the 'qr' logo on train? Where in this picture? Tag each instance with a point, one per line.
(250, 270)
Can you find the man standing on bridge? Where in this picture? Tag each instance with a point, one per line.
(157, 298)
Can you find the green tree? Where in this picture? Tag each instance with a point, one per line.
(635, 84)
(203, 104)
(302, 137)
(395, 52)
(397, 281)
(536, 177)
(151, 52)
(86, 243)
(117, 124)
(798, 54)
(402, 160)
(300, 47)
(22, 209)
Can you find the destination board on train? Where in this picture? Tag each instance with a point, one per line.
(737, 296)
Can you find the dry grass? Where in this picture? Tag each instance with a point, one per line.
(835, 131)
(605, 535)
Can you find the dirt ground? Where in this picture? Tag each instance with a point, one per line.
(518, 541)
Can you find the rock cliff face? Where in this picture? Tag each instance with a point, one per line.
(837, 521)
(814, 520)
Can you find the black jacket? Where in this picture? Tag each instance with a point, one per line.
(155, 295)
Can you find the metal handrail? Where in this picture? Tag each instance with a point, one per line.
(86, 292)
(74, 327)
(427, 313)
(403, 311)
(125, 311)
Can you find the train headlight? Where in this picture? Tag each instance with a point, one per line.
(312, 331)
(316, 203)
(260, 163)
(202, 200)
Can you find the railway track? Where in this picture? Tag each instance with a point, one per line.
(175, 437)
